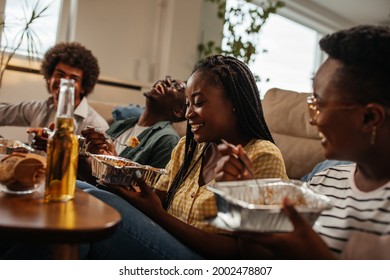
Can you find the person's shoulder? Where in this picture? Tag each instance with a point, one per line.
(169, 137)
(164, 125)
(165, 128)
(336, 172)
(264, 146)
(95, 119)
(181, 144)
(322, 166)
(262, 143)
(347, 167)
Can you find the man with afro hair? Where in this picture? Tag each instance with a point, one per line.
(64, 60)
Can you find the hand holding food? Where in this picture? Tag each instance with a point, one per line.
(98, 142)
(234, 163)
(40, 136)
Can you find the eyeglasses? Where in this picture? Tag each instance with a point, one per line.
(173, 83)
(314, 109)
(168, 82)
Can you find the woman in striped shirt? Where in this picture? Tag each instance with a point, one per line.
(351, 109)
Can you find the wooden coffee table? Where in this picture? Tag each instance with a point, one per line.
(64, 225)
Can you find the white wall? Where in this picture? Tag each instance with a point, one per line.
(141, 40)
(135, 41)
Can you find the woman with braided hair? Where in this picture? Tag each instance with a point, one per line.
(223, 103)
(227, 139)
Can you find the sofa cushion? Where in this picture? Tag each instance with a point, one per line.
(287, 117)
(124, 112)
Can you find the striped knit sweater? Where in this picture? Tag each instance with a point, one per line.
(358, 225)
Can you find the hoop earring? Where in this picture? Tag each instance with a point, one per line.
(373, 136)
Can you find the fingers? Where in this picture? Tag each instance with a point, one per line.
(235, 163)
(86, 131)
(245, 159)
(40, 145)
(40, 137)
(238, 151)
(296, 219)
(100, 148)
(226, 148)
(140, 182)
(229, 168)
(97, 142)
(35, 130)
(94, 132)
(52, 126)
(42, 132)
(132, 192)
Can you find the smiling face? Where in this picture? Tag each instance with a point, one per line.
(65, 71)
(209, 110)
(341, 126)
(167, 97)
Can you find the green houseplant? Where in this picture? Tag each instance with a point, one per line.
(25, 34)
(240, 17)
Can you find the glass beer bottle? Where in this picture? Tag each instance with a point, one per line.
(62, 149)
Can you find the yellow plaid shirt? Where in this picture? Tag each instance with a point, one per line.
(193, 203)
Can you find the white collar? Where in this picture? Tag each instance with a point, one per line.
(82, 109)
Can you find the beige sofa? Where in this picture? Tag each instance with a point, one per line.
(287, 117)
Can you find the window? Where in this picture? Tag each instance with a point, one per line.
(43, 29)
(289, 59)
(287, 55)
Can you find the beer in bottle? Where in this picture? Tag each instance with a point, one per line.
(62, 149)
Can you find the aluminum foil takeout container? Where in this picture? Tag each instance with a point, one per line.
(8, 146)
(120, 171)
(257, 205)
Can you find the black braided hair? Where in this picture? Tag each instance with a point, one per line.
(182, 173)
(239, 84)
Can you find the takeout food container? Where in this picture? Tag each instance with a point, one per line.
(257, 205)
(8, 146)
(120, 171)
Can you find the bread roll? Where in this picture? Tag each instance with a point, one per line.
(21, 172)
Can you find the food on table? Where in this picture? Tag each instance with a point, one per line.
(21, 171)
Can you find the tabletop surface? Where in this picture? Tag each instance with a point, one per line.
(29, 218)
